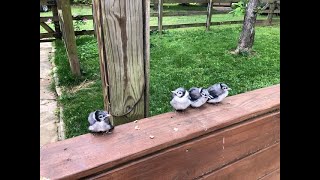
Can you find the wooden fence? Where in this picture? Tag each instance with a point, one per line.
(160, 13)
(236, 139)
(51, 34)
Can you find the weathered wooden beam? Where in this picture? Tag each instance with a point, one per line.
(55, 20)
(247, 122)
(46, 27)
(160, 16)
(174, 26)
(78, 17)
(66, 24)
(121, 35)
(46, 35)
(209, 15)
(77, 33)
(180, 13)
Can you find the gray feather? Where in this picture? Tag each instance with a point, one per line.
(91, 118)
(194, 93)
(215, 90)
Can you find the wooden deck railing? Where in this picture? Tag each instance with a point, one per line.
(236, 139)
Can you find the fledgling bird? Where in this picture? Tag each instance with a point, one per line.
(181, 99)
(218, 92)
(99, 121)
(199, 96)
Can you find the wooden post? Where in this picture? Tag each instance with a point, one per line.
(160, 15)
(66, 24)
(55, 22)
(209, 14)
(122, 28)
(271, 11)
(94, 26)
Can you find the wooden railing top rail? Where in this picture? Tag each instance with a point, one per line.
(92, 154)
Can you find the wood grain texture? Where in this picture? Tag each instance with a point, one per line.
(160, 16)
(274, 175)
(66, 24)
(146, 47)
(88, 154)
(208, 153)
(209, 14)
(122, 57)
(252, 167)
(97, 7)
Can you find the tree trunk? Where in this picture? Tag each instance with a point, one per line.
(248, 30)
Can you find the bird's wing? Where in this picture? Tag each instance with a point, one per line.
(91, 118)
(213, 92)
(194, 93)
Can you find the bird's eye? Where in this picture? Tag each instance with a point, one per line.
(100, 116)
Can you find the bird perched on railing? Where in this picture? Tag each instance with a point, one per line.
(199, 96)
(99, 121)
(181, 99)
(218, 92)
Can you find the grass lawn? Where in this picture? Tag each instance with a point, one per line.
(180, 57)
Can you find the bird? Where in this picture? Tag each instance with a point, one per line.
(199, 96)
(99, 121)
(218, 92)
(181, 99)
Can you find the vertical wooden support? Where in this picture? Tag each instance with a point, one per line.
(209, 14)
(66, 24)
(160, 15)
(272, 6)
(94, 26)
(122, 28)
(56, 23)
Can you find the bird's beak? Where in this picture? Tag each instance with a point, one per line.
(229, 89)
(173, 92)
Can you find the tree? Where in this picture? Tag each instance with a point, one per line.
(248, 29)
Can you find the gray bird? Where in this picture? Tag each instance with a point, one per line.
(199, 96)
(181, 99)
(99, 121)
(218, 92)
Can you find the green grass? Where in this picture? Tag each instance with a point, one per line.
(181, 57)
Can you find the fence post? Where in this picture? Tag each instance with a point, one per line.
(209, 14)
(56, 20)
(94, 26)
(66, 24)
(122, 28)
(271, 11)
(160, 15)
